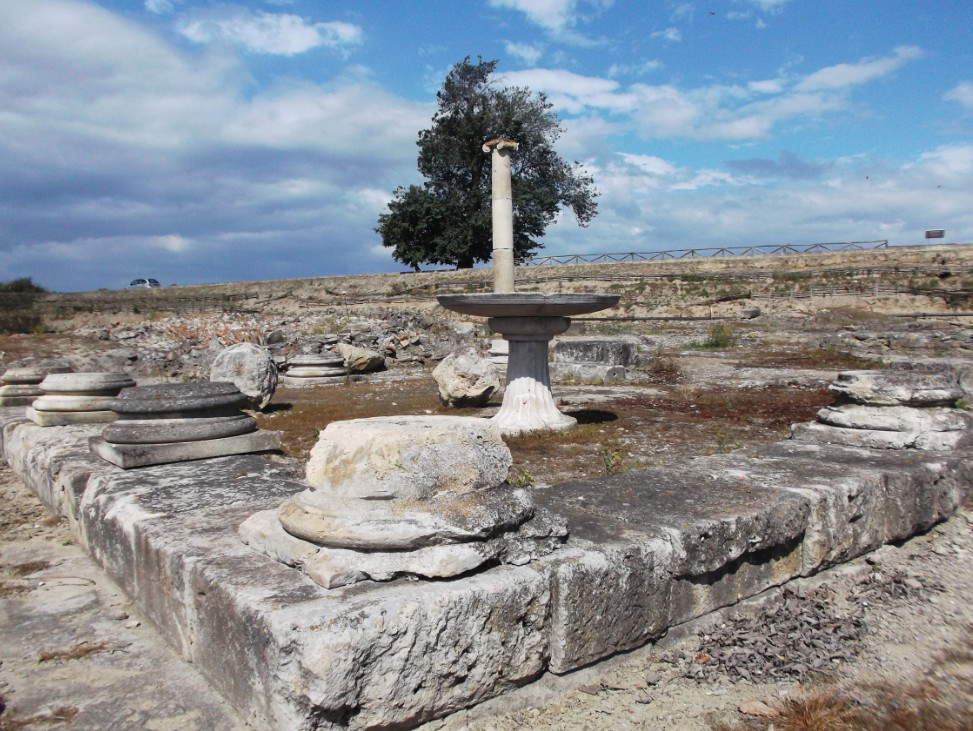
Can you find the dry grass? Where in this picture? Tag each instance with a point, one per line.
(942, 701)
(30, 567)
(62, 714)
(808, 357)
(82, 649)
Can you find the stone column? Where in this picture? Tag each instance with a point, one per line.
(528, 404)
(503, 213)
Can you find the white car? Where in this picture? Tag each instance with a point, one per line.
(144, 282)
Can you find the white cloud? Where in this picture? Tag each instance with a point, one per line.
(553, 15)
(159, 7)
(849, 74)
(768, 6)
(526, 52)
(962, 93)
(559, 17)
(263, 32)
(127, 138)
(673, 35)
(649, 164)
(570, 91)
(634, 69)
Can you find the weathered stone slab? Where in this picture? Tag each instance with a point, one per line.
(25, 389)
(593, 373)
(168, 399)
(876, 439)
(317, 372)
(64, 418)
(361, 360)
(73, 402)
(899, 387)
(156, 431)
(31, 374)
(894, 418)
(618, 350)
(317, 360)
(128, 456)
(86, 383)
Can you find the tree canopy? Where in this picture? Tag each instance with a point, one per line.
(446, 220)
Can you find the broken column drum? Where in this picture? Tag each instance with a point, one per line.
(419, 495)
(526, 320)
(22, 385)
(77, 398)
(177, 422)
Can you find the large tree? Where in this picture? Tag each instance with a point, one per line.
(446, 220)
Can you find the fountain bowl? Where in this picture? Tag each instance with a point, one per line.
(526, 304)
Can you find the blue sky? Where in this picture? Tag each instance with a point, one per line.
(198, 141)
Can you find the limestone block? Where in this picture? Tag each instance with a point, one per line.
(410, 457)
(876, 439)
(894, 418)
(893, 388)
(250, 368)
(361, 360)
(466, 379)
(32, 374)
(172, 400)
(316, 372)
(316, 360)
(128, 456)
(156, 431)
(87, 383)
(592, 373)
(8, 401)
(622, 350)
(64, 418)
(409, 524)
(73, 402)
(21, 389)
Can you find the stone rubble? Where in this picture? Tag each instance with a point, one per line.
(466, 379)
(251, 368)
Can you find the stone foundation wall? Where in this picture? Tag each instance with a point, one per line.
(647, 550)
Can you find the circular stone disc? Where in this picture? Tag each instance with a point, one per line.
(79, 383)
(25, 389)
(30, 374)
(158, 431)
(315, 372)
(167, 398)
(323, 360)
(62, 402)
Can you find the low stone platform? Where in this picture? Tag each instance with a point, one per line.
(647, 550)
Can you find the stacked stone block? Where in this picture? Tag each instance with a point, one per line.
(179, 422)
(77, 398)
(313, 368)
(891, 410)
(22, 385)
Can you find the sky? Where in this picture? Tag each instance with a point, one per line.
(198, 141)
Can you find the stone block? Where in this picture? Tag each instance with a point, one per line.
(622, 350)
(897, 387)
(592, 373)
(128, 456)
(874, 438)
(65, 418)
(250, 368)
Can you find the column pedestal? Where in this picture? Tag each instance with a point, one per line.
(528, 404)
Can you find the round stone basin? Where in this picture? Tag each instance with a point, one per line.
(526, 304)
